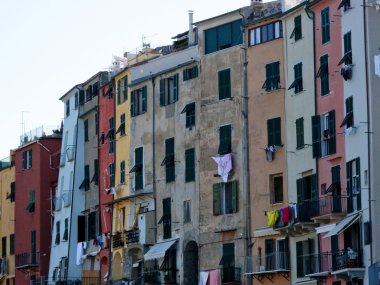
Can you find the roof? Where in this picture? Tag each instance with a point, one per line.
(219, 16)
(68, 92)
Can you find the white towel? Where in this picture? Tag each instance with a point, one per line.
(81, 246)
(203, 277)
(224, 165)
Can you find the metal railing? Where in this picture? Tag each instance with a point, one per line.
(132, 236)
(27, 259)
(39, 132)
(320, 262)
(344, 259)
(231, 274)
(117, 240)
(277, 261)
(325, 205)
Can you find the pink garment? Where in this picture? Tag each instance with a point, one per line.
(214, 278)
(224, 165)
(285, 215)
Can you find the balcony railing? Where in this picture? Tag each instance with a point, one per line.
(117, 240)
(320, 263)
(132, 236)
(278, 261)
(326, 205)
(344, 259)
(27, 259)
(231, 275)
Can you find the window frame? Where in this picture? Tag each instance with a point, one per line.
(169, 160)
(274, 131)
(122, 172)
(256, 36)
(276, 196)
(300, 134)
(186, 211)
(213, 36)
(323, 73)
(272, 73)
(169, 90)
(325, 25)
(190, 73)
(225, 200)
(348, 120)
(139, 101)
(224, 84)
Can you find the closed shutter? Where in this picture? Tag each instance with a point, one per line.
(162, 92)
(224, 84)
(332, 138)
(23, 155)
(185, 74)
(269, 255)
(224, 140)
(299, 133)
(189, 165)
(299, 190)
(298, 28)
(234, 200)
(216, 202)
(125, 94)
(224, 36)
(118, 92)
(325, 25)
(299, 256)
(30, 158)
(176, 87)
(211, 41)
(274, 131)
(314, 187)
(133, 95)
(349, 185)
(358, 197)
(143, 100)
(316, 135)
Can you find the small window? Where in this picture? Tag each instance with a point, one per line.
(274, 131)
(325, 21)
(12, 194)
(348, 120)
(89, 93)
(95, 89)
(111, 134)
(225, 139)
(65, 236)
(31, 204)
(86, 130)
(367, 233)
(68, 108)
(122, 172)
(190, 165)
(190, 73)
(169, 90)
(112, 174)
(347, 57)
(187, 211)
(96, 123)
(272, 81)
(224, 83)
(323, 74)
(138, 101)
(4, 246)
(328, 145)
(225, 198)
(297, 83)
(118, 92)
(121, 128)
(345, 4)
(300, 133)
(277, 192)
(125, 88)
(166, 218)
(297, 31)
(58, 234)
(190, 115)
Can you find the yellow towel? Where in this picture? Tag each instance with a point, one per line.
(272, 217)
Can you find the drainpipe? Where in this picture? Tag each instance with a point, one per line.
(154, 152)
(245, 147)
(48, 150)
(368, 124)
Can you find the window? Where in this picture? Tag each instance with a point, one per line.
(81, 97)
(111, 134)
(304, 252)
(297, 31)
(58, 234)
(76, 100)
(125, 88)
(190, 165)
(225, 198)
(228, 263)
(96, 123)
(274, 131)
(323, 74)
(300, 133)
(265, 33)
(166, 218)
(95, 89)
(4, 246)
(367, 233)
(190, 115)
(112, 174)
(138, 168)
(353, 185)
(118, 91)
(122, 172)
(27, 159)
(91, 225)
(68, 108)
(12, 194)
(297, 83)
(224, 84)
(66, 232)
(187, 211)
(349, 118)
(347, 57)
(11, 244)
(121, 128)
(224, 139)
(33, 247)
(138, 101)
(346, 4)
(325, 21)
(169, 90)
(86, 130)
(169, 160)
(87, 177)
(89, 93)
(31, 203)
(328, 133)
(277, 191)
(272, 81)
(223, 36)
(307, 188)
(95, 178)
(63, 268)
(190, 73)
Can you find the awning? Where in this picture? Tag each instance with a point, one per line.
(159, 250)
(343, 225)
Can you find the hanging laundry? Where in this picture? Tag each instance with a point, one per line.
(270, 150)
(377, 65)
(294, 211)
(214, 277)
(100, 241)
(285, 215)
(81, 246)
(346, 72)
(272, 218)
(224, 165)
(203, 278)
(279, 222)
(113, 191)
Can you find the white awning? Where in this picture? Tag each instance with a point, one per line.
(159, 250)
(342, 225)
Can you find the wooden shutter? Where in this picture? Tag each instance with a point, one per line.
(325, 25)
(143, 100)
(216, 202)
(162, 92)
(125, 94)
(224, 39)
(299, 256)
(211, 43)
(185, 74)
(299, 190)
(23, 155)
(176, 87)
(299, 133)
(358, 197)
(30, 158)
(133, 95)
(332, 138)
(314, 187)
(118, 92)
(316, 135)
(298, 28)
(224, 84)
(234, 200)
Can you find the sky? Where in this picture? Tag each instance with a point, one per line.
(48, 46)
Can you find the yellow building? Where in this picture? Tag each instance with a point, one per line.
(7, 221)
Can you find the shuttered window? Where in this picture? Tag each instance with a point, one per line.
(4, 246)
(11, 244)
(300, 133)
(324, 74)
(190, 165)
(57, 232)
(224, 84)
(316, 135)
(118, 91)
(112, 174)
(297, 31)
(190, 73)
(86, 130)
(169, 160)
(225, 140)
(122, 172)
(223, 36)
(87, 177)
(277, 189)
(187, 211)
(225, 198)
(167, 218)
(125, 88)
(274, 131)
(349, 118)
(325, 22)
(66, 231)
(169, 89)
(139, 101)
(332, 136)
(272, 71)
(139, 178)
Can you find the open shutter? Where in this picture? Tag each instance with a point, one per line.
(176, 87)
(234, 188)
(143, 100)
(118, 92)
(314, 187)
(358, 197)
(133, 94)
(216, 199)
(299, 255)
(162, 92)
(332, 138)
(299, 190)
(316, 135)
(349, 185)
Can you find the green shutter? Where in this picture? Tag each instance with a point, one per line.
(335, 174)
(299, 190)
(234, 189)
(298, 28)
(332, 138)
(300, 258)
(224, 84)
(133, 95)
(176, 87)
(162, 92)
(30, 158)
(125, 94)
(314, 187)
(325, 25)
(189, 165)
(143, 100)
(224, 36)
(216, 188)
(316, 135)
(23, 160)
(139, 156)
(118, 92)
(300, 133)
(325, 88)
(237, 34)
(184, 75)
(349, 105)
(358, 197)
(211, 43)
(224, 140)
(195, 71)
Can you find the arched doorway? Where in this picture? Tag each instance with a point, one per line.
(136, 256)
(190, 264)
(116, 268)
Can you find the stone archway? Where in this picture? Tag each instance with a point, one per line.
(116, 266)
(190, 264)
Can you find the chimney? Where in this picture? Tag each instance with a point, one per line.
(258, 7)
(191, 35)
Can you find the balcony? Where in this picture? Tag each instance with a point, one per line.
(327, 208)
(117, 240)
(265, 266)
(319, 265)
(27, 260)
(132, 236)
(231, 275)
(347, 264)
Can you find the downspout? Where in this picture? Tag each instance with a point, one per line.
(48, 150)
(154, 152)
(245, 147)
(368, 125)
